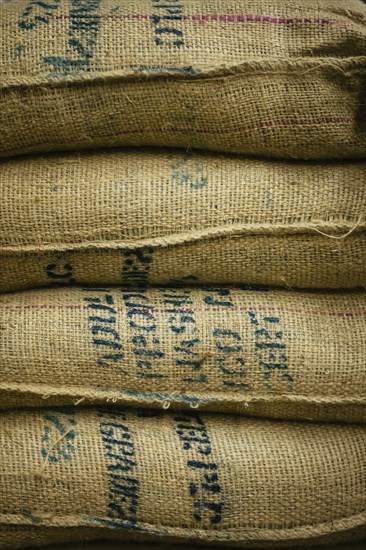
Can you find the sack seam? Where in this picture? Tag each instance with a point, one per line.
(237, 230)
(308, 531)
(293, 67)
(158, 397)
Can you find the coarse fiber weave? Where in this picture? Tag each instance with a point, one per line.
(179, 476)
(280, 354)
(166, 217)
(258, 77)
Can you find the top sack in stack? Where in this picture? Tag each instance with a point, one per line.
(256, 77)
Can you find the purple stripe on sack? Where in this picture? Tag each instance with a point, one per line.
(361, 313)
(251, 18)
(220, 18)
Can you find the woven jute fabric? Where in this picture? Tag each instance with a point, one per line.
(184, 476)
(259, 77)
(166, 217)
(266, 353)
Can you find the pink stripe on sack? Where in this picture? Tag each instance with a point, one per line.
(251, 18)
(213, 18)
(361, 313)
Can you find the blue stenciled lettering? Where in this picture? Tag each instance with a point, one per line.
(167, 20)
(182, 322)
(136, 266)
(84, 23)
(270, 348)
(38, 13)
(228, 343)
(60, 274)
(229, 359)
(219, 297)
(119, 450)
(59, 434)
(204, 486)
(102, 316)
(143, 323)
(188, 172)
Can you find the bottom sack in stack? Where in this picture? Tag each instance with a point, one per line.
(280, 354)
(70, 474)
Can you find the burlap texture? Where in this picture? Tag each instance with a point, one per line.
(259, 77)
(269, 353)
(163, 217)
(187, 476)
(83, 538)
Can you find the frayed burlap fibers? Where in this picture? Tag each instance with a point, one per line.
(178, 476)
(280, 354)
(165, 217)
(256, 77)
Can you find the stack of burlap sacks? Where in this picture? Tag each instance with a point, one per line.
(183, 330)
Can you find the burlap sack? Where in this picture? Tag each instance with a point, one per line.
(180, 476)
(259, 77)
(139, 217)
(269, 353)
